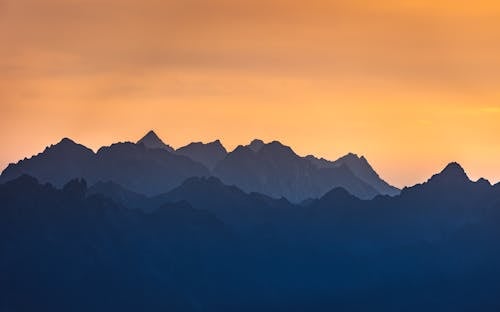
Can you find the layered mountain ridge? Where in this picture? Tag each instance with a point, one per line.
(80, 244)
(151, 167)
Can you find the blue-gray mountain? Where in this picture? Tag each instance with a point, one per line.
(151, 140)
(151, 167)
(208, 246)
(208, 154)
(144, 170)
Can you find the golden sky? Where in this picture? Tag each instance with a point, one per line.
(412, 85)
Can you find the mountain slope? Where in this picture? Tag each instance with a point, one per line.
(429, 211)
(62, 251)
(134, 166)
(57, 164)
(144, 170)
(208, 154)
(275, 170)
(151, 140)
(421, 250)
(361, 168)
(228, 203)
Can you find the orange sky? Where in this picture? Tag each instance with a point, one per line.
(412, 86)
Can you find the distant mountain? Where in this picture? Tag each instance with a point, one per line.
(151, 167)
(447, 201)
(451, 185)
(361, 168)
(121, 195)
(80, 249)
(62, 251)
(228, 203)
(134, 166)
(144, 170)
(256, 145)
(208, 154)
(151, 140)
(275, 170)
(57, 164)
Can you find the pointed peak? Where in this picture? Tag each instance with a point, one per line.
(153, 141)
(66, 141)
(483, 181)
(66, 144)
(217, 143)
(453, 172)
(151, 135)
(454, 168)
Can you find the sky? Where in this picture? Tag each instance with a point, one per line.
(411, 85)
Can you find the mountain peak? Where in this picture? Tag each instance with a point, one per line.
(350, 157)
(218, 144)
(339, 195)
(278, 149)
(65, 145)
(453, 172)
(66, 141)
(256, 145)
(151, 135)
(153, 141)
(208, 154)
(455, 169)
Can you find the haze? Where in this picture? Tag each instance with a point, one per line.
(410, 85)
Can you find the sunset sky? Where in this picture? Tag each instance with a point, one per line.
(410, 85)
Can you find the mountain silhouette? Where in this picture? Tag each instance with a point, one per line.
(361, 168)
(256, 145)
(106, 248)
(208, 154)
(83, 253)
(57, 164)
(275, 170)
(228, 203)
(447, 201)
(151, 140)
(149, 168)
(121, 195)
(453, 173)
(149, 171)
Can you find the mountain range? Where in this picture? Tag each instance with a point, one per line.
(151, 167)
(208, 246)
(141, 226)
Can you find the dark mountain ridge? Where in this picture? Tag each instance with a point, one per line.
(361, 168)
(207, 246)
(152, 167)
(152, 140)
(208, 154)
(149, 171)
(275, 170)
